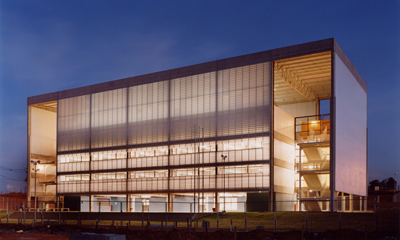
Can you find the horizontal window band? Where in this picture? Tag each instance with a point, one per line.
(159, 144)
(263, 189)
(167, 167)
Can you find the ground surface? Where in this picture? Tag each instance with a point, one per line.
(60, 232)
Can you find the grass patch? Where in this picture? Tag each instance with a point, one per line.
(285, 221)
(294, 220)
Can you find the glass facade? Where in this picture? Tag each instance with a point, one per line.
(180, 125)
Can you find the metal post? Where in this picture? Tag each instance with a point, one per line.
(42, 214)
(59, 211)
(35, 163)
(218, 217)
(7, 210)
(245, 217)
(99, 202)
(190, 214)
(307, 217)
(394, 185)
(275, 216)
(374, 214)
(194, 170)
(166, 214)
(35, 195)
(23, 210)
(121, 212)
(224, 158)
(204, 204)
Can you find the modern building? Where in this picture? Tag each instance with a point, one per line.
(285, 128)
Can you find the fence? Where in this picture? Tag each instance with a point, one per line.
(376, 216)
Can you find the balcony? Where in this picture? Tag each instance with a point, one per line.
(312, 129)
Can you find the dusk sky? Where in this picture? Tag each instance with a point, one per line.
(48, 46)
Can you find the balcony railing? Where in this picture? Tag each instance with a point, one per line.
(312, 129)
(314, 165)
(305, 192)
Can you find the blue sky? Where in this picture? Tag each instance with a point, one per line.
(48, 46)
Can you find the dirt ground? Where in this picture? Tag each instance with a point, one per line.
(60, 232)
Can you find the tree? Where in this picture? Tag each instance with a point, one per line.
(373, 184)
(389, 184)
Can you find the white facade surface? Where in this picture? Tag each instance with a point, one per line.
(351, 132)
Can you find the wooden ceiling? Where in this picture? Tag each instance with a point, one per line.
(49, 106)
(302, 79)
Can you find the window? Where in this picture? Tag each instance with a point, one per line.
(103, 202)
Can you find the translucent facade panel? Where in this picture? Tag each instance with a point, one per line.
(108, 164)
(162, 124)
(109, 185)
(73, 126)
(73, 183)
(108, 160)
(108, 120)
(186, 183)
(148, 113)
(192, 171)
(257, 168)
(198, 158)
(73, 162)
(244, 100)
(193, 103)
(148, 157)
(246, 149)
(109, 175)
(148, 184)
(243, 181)
(149, 174)
(148, 162)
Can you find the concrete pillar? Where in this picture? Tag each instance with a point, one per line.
(365, 204)
(91, 203)
(128, 202)
(170, 200)
(351, 202)
(343, 202)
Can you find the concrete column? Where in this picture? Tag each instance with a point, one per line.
(128, 202)
(343, 203)
(91, 203)
(365, 204)
(351, 202)
(170, 200)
